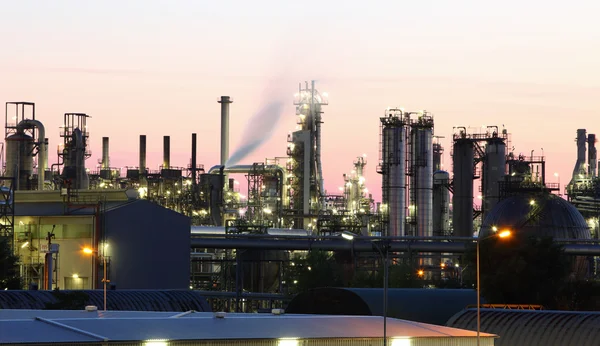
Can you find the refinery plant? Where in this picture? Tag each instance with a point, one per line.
(285, 200)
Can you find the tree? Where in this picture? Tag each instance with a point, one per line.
(521, 269)
(317, 269)
(9, 268)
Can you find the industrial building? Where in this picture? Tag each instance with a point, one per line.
(50, 211)
(93, 327)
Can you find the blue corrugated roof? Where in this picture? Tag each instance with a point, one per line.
(434, 306)
(134, 300)
(533, 328)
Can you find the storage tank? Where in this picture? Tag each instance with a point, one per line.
(441, 203)
(421, 186)
(462, 197)
(494, 166)
(19, 159)
(394, 177)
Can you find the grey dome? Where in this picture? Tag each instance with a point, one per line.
(549, 215)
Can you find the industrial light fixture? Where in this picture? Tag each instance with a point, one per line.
(288, 342)
(347, 235)
(156, 342)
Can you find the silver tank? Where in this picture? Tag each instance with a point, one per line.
(421, 182)
(19, 159)
(462, 198)
(394, 179)
(494, 167)
(441, 203)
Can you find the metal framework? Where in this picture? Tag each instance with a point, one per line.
(7, 210)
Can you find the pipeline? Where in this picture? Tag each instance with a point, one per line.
(42, 153)
(362, 244)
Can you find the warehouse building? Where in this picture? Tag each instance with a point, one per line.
(92, 327)
(144, 245)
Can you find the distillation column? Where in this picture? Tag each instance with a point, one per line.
(494, 167)
(592, 155)
(462, 198)
(421, 179)
(393, 169)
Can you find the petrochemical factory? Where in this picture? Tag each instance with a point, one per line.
(193, 228)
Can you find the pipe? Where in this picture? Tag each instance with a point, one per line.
(194, 164)
(166, 152)
(42, 153)
(580, 164)
(105, 158)
(592, 159)
(358, 245)
(142, 154)
(224, 101)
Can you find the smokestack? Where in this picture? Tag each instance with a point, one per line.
(592, 159)
(194, 158)
(225, 101)
(105, 157)
(166, 152)
(142, 154)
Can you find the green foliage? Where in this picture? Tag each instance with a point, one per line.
(73, 300)
(9, 268)
(318, 269)
(520, 270)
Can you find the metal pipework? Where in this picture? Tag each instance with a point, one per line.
(359, 244)
(42, 153)
(166, 152)
(224, 101)
(105, 157)
(142, 154)
(592, 158)
(246, 169)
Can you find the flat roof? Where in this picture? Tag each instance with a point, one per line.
(61, 326)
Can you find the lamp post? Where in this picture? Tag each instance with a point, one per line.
(502, 234)
(89, 251)
(384, 256)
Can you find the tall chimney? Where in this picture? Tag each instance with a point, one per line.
(592, 159)
(142, 154)
(105, 157)
(225, 101)
(166, 152)
(194, 158)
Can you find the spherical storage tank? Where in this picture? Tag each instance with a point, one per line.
(540, 214)
(19, 158)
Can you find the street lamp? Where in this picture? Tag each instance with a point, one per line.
(384, 255)
(501, 234)
(89, 251)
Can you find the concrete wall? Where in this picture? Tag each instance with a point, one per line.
(149, 247)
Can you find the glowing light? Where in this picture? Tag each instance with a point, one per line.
(494, 228)
(504, 234)
(288, 342)
(75, 276)
(87, 250)
(156, 342)
(401, 342)
(532, 202)
(24, 245)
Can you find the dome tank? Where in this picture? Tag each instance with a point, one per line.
(19, 159)
(545, 215)
(540, 214)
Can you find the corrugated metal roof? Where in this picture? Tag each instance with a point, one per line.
(134, 300)
(95, 326)
(434, 306)
(532, 327)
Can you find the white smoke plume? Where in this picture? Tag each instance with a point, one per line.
(259, 129)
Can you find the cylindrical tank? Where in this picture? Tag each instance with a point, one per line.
(462, 197)
(441, 203)
(394, 177)
(421, 181)
(19, 159)
(225, 101)
(494, 166)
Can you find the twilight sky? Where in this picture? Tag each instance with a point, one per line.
(158, 67)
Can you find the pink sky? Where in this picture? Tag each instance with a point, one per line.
(157, 68)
